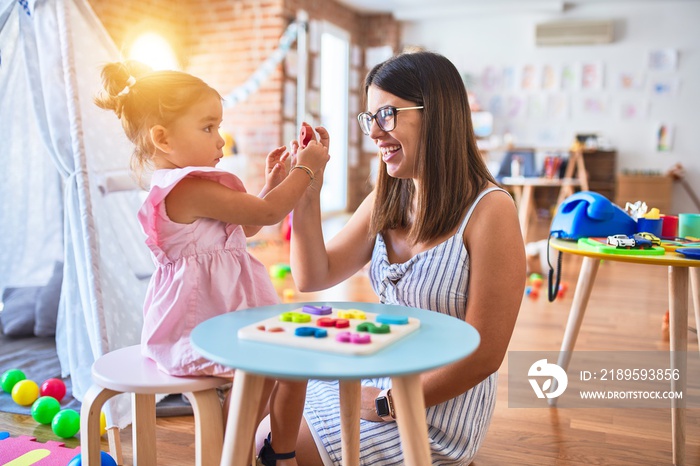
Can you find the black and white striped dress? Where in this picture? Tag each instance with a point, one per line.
(436, 279)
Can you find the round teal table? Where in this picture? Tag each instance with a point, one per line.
(439, 341)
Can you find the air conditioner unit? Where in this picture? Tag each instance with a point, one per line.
(574, 33)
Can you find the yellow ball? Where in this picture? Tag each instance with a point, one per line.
(25, 392)
(103, 423)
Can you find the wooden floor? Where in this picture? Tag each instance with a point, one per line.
(624, 313)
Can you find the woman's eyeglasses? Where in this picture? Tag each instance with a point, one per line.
(385, 118)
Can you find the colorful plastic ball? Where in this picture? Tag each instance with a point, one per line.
(66, 423)
(44, 409)
(105, 460)
(54, 388)
(103, 424)
(10, 378)
(25, 392)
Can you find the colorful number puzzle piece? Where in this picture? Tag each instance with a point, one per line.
(352, 314)
(372, 328)
(317, 310)
(330, 322)
(310, 332)
(392, 320)
(296, 317)
(305, 136)
(355, 338)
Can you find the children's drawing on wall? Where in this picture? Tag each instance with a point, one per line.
(663, 60)
(594, 106)
(665, 87)
(592, 76)
(528, 81)
(496, 105)
(664, 137)
(633, 110)
(628, 81)
(490, 79)
(514, 107)
(550, 78)
(509, 80)
(535, 106)
(558, 106)
(569, 77)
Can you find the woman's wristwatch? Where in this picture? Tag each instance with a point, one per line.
(385, 406)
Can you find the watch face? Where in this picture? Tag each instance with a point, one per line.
(382, 405)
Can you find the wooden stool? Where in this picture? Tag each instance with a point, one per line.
(126, 371)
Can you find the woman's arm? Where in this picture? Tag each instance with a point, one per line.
(317, 266)
(496, 283)
(195, 198)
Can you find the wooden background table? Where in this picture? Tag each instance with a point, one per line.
(439, 341)
(680, 269)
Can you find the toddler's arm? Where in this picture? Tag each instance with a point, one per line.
(275, 173)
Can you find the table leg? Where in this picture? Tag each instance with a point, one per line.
(350, 402)
(678, 320)
(242, 415)
(407, 394)
(586, 278)
(695, 292)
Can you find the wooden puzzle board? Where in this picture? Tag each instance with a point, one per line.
(261, 332)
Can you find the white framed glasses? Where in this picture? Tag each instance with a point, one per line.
(385, 118)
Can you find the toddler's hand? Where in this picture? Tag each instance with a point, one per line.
(275, 170)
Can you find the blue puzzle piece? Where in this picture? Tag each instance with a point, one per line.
(392, 320)
(310, 332)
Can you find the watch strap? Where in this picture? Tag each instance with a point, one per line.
(390, 403)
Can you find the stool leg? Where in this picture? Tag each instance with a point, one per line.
(208, 426)
(144, 429)
(115, 445)
(93, 401)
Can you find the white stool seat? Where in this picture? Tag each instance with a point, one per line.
(126, 371)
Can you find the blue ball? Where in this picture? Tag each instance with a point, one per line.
(105, 460)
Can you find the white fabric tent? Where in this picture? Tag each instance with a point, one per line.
(60, 153)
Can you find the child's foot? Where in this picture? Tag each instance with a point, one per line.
(268, 456)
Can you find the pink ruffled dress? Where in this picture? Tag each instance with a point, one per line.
(202, 270)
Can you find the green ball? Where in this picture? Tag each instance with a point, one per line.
(66, 423)
(10, 378)
(44, 409)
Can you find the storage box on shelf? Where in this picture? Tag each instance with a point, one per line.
(656, 190)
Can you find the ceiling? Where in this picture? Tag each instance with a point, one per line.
(407, 10)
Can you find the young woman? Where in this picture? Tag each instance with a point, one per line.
(439, 235)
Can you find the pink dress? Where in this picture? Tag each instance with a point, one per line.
(202, 270)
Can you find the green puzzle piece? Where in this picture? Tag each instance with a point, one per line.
(296, 317)
(372, 328)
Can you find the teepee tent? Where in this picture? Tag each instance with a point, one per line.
(68, 201)
(63, 200)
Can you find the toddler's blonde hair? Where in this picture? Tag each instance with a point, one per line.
(142, 98)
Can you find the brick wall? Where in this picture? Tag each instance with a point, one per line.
(224, 41)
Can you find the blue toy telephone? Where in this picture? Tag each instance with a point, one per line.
(582, 215)
(586, 214)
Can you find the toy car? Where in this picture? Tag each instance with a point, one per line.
(621, 241)
(648, 236)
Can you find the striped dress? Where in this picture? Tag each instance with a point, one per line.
(436, 279)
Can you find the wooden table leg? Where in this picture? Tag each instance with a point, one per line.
(93, 401)
(407, 394)
(678, 322)
(242, 415)
(695, 292)
(350, 402)
(586, 278)
(143, 429)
